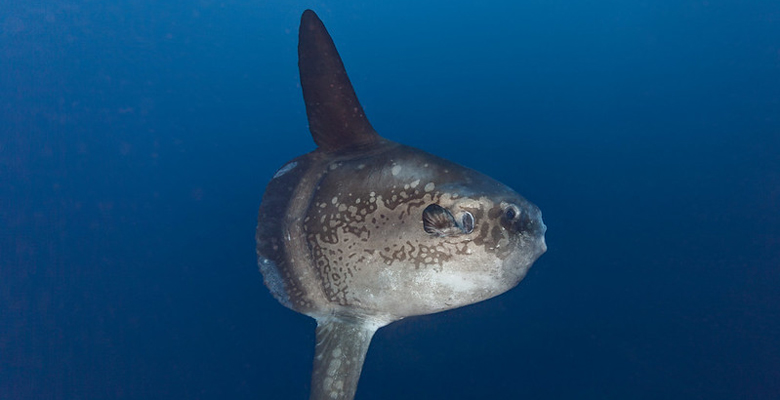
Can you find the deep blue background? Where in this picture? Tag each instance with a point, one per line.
(136, 138)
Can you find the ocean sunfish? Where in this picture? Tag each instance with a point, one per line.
(364, 231)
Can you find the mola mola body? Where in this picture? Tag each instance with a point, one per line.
(364, 231)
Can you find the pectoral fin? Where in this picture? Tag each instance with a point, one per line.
(438, 221)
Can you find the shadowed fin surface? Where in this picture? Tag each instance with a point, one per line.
(336, 118)
(341, 348)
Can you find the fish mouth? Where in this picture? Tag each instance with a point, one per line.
(542, 239)
(536, 234)
(536, 228)
(542, 246)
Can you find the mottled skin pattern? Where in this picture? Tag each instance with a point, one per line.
(355, 226)
(363, 231)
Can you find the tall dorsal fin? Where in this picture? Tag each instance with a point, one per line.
(336, 119)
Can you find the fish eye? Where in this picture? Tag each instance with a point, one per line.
(511, 212)
(467, 222)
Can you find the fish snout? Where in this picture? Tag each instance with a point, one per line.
(525, 219)
(540, 233)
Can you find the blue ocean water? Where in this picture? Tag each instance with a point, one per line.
(137, 137)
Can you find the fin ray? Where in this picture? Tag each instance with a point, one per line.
(438, 221)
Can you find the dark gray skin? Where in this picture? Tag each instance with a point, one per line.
(363, 231)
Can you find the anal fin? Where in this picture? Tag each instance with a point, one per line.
(342, 344)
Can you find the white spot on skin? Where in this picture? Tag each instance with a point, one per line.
(396, 169)
(430, 186)
(457, 282)
(414, 184)
(334, 367)
(287, 168)
(334, 200)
